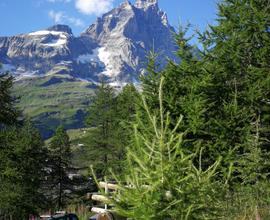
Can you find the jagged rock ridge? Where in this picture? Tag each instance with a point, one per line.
(114, 47)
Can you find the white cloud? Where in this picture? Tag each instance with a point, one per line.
(75, 21)
(96, 7)
(62, 17)
(57, 17)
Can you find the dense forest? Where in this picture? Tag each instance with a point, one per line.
(192, 142)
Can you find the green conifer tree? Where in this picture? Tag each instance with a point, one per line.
(60, 164)
(22, 160)
(126, 102)
(150, 81)
(22, 171)
(8, 112)
(102, 116)
(225, 90)
(161, 181)
(238, 59)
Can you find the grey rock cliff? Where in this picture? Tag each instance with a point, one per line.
(114, 47)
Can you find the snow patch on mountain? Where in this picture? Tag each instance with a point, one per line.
(118, 84)
(60, 41)
(19, 73)
(46, 32)
(106, 58)
(88, 58)
(101, 56)
(57, 43)
(65, 62)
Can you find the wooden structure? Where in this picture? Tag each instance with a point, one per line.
(105, 213)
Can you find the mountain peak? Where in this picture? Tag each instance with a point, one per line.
(126, 4)
(114, 47)
(61, 28)
(145, 3)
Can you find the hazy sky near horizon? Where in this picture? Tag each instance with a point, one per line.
(23, 16)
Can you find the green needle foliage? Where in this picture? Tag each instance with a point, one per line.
(8, 112)
(125, 112)
(22, 159)
(223, 90)
(161, 180)
(237, 57)
(150, 81)
(110, 116)
(223, 94)
(102, 118)
(60, 164)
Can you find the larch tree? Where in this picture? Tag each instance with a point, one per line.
(60, 165)
(161, 180)
(126, 105)
(22, 160)
(22, 170)
(101, 118)
(8, 112)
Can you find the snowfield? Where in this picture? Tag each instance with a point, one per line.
(105, 57)
(61, 41)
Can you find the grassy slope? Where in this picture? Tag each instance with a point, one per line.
(53, 100)
(59, 99)
(81, 152)
(80, 146)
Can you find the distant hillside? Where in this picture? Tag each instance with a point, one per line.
(53, 100)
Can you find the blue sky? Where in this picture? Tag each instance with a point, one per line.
(23, 16)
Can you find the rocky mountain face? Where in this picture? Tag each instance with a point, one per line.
(113, 48)
(56, 72)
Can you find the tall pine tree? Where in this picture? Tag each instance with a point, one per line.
(125, 111)
(102, 119)
(59, 182)
(22, 160)
(238, 60)
(8, 112)
(22, 171)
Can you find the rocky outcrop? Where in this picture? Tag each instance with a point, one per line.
(114, 47)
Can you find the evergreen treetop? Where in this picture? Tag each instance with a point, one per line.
(8, 112)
